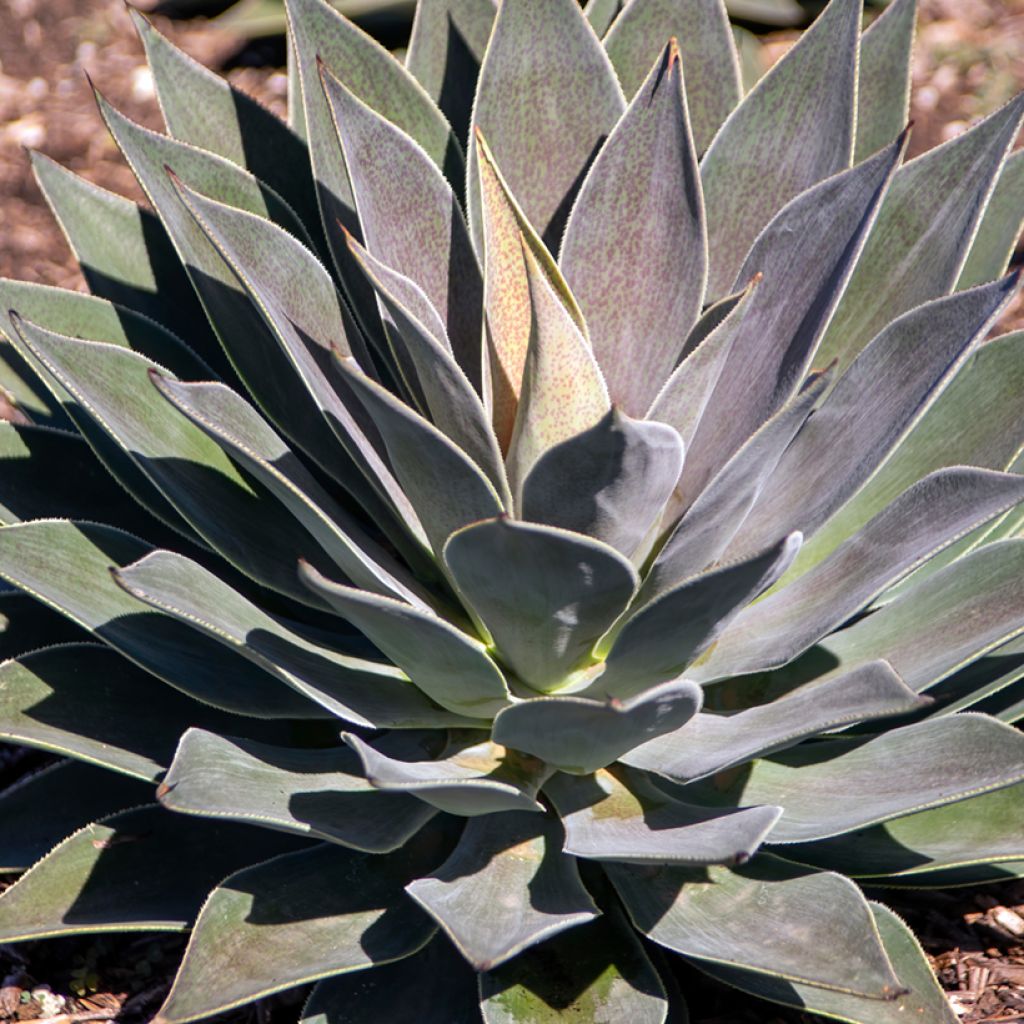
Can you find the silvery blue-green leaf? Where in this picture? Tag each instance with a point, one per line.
(1007, 705)
(883, 78)
(618, 815)
(707, 48)
(563, 389)
(410, 219)
(712, 743)
(793, 130)
(635, 250)
(298, 918)
(202, 108)
(82, 490)
(446, 47)
(780, 329)
(318, 34)
(985, 678)
(79, 887)
(711, 521)
(471, 777)
(944, 623)
(924, 232)
(67, 565)
(451, 667)
(320, 793)
(860, 423)
(367, 693)
(665, 635)
(924, 999)
(87, 702)
(55, 801)
(239, 430)
(505, 234)
(984, 829)
(764, 917)
(126, 256)
(598, 971)
(940, 761)
(579, 735)
(445, 487)
(713, 315)
(950, 433)
(918, 524)
(506, 886)
(444, 984)
(558, 594)
(450, 401)
(307, 323)
(999, 229)
(546, 100)
(610, 482)
(601, 14)
(237, 517)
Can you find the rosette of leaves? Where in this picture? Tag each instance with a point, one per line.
(537, 515)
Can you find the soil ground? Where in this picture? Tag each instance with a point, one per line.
(969, 59)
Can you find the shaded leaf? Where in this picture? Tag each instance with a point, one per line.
(506, 886)
(999, 229)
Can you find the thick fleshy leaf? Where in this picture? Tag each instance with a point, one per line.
(235, 515)
(367, 693)
(579, 735)
(999, 229)
(504, 234)
(610, 482)
(664, 636)
(471, 777)
(779, 331)
(448, 397)
(314, 792)
(635, 250)
(546, 596)
(506, 886)
(239, 430)
(451, 667)
(707, 48)
(79, 888)
(298, 918)
(950, 433)
(983, 829)
(444, 985)
(26, 625)
(67, 567)
(713, 519)
(444, 486)
(985, 678)
(924, 1000)
(87, 702)
(601, 14)
(126, 256)
(714, 743)
(923, 234)
(793, 130)
(765, 917)
(596, 972)
(446, 48)
(202, 108)
(941, 760)
(948, 620)
(617, 815)
(50, 804)
(563, 391)
(883, 78)
(546, 100)
(921, 522)
(860, 423)
(411, 220)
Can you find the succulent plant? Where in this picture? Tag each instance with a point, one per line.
(437, 498)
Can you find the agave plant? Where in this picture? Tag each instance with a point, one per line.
(438, 499)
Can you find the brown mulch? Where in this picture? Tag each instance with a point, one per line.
(969, 60)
